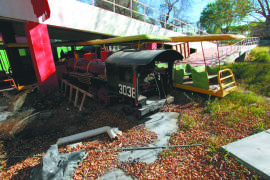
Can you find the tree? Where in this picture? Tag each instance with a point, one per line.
(172, 9)
(262, 7)
(208, 19)
(219, 16)
(261, 28)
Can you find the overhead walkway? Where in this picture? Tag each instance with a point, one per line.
(78, 21)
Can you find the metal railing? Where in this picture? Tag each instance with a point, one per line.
(145, 13)
(236, 48)
(239, 46)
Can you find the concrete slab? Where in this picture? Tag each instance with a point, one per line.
(163, 124)
(254, 152)
(115, 174)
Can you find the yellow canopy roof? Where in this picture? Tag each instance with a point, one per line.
(212, 37)
(128, 40)
(145, 38)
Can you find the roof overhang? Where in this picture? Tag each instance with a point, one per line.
(212, 37)
(143, 57)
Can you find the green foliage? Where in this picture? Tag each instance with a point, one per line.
(219, 16)
(260, 54)
(262, 57)
(258, 127)
(208, 20)
(259, 49)
(239, 29)
(242, 103)
(168, 152)
(253, 76)
(187, 121)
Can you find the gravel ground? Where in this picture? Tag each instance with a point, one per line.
(25, 147)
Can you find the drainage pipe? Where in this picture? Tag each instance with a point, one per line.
(87, 134)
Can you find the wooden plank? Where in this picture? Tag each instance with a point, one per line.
(81, 106)
(70, 93)
(78, 90)
(76, 97)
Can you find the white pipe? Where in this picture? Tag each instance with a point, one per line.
(87, 134)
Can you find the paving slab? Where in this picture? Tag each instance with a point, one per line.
(116, 174)
(254, 152)
(163, 124)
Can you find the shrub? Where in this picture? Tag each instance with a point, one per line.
(260, 54)
(253, 76)
(262, 57)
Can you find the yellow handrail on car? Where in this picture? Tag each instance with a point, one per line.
(221, 82)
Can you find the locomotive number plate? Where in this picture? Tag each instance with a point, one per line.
(126, 90)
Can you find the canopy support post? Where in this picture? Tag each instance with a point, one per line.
(204, 57)
(218, 54)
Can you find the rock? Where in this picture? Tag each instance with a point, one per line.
(18, 102)
(20, 126)
(45, 114)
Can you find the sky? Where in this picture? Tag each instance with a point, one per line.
(193, 13)
(197, 8)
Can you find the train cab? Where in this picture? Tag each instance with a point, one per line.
(135, 76)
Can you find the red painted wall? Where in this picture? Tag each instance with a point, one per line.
(41, 52)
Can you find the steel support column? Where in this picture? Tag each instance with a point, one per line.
(41, 53)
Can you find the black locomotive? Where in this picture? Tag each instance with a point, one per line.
(142, 80)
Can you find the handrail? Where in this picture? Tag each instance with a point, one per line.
(183, 27)
(227, 50)
(221, 82)
(240, 45)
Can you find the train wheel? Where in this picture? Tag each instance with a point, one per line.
(137, 115)
(103, 96)
(126, 110)
(93, 91)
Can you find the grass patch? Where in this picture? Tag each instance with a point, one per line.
(258, 127)
(168, 152)
(252, 76)
(260, 54)
(187, 121)
(235, 106)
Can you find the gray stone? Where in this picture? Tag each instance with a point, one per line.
(163, 124)
(115, 174)
(253, 151)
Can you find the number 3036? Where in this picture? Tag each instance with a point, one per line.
(126, 90)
